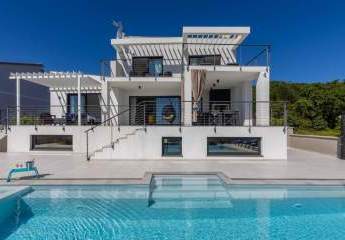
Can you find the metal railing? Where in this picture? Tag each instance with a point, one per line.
(55, 115)
(164, 111)
(105, 122)
(125, 68)
(211, 113)
(190, 54)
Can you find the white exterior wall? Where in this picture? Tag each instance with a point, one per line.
(18, 139)
(148, 145)
(187, 105)
(262, 99)
(246, 105)
(58, 103)
(194, 142)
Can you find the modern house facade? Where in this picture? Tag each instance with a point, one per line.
(187, 97)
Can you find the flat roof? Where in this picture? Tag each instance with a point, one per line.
(219, 30)
(21, 63)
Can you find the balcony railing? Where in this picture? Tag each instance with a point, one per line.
(188, 54)
(153, 113)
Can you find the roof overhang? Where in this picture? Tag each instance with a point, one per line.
(215, 35)
(141, 85)
(216, 30)
(60, 80)
(146, 41)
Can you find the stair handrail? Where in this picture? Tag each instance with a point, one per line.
(97, 125)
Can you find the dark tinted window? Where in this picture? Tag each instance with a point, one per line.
(205, 60)
(52, 142)
(147, 66)
(171, 146)
(220, 146)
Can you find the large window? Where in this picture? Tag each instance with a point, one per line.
(147, 66)
(205, 60)
(171, 146)
(52, 142)
(223, 146)
(164, 110)
(90, 108)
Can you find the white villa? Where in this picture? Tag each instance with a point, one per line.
(202, 95)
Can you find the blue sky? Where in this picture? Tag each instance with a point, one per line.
(308, 36)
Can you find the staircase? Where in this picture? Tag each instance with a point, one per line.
(108, 150)
(188, 191)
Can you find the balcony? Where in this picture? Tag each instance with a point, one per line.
(160, 111)
(169, 61)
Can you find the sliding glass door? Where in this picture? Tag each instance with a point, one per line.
(156, 110)
(90, 108)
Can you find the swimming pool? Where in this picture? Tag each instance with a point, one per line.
(179, 207)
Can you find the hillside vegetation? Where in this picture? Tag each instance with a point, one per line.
(313, 108)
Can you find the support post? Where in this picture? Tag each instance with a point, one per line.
(145, 116)
(87, 146)
(18, 99)
(7, 126)
(104, 102)
(263, 99)
(79, 99)
(247, 99)
(187, 93)
(250, 117)
(285, 118)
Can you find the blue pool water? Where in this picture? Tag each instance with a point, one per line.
(175, 207)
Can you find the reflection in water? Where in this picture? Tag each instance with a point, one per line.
(198, 208)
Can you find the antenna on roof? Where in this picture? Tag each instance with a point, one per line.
(119, 28)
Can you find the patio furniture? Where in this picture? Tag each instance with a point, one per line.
(29, 167)
(47, 119)
(71, 118)
(226, 118)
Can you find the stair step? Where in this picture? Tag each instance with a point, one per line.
(186, 182)
(189, 194)
(211, 203)
(194, 187)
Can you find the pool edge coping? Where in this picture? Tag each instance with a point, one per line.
(146, 179)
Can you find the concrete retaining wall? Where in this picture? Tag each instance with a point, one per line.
(321, 144)
(148, 145)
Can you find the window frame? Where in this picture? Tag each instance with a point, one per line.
(172, 155)
(148, 59)
(244, 154)
(32, 145)
(215, 57)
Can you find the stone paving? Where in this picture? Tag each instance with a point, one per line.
(301, 166)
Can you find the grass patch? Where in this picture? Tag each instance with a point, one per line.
(325, 132)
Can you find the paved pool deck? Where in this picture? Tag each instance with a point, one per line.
(301, 167)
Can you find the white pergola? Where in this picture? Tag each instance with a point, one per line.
(194, 41)
(67, 81)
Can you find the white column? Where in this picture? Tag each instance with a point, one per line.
(262, 99)
(18, 100)
(114, 99)
(187, 109)
(79, 99)
(105, 101)
(247, 105)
